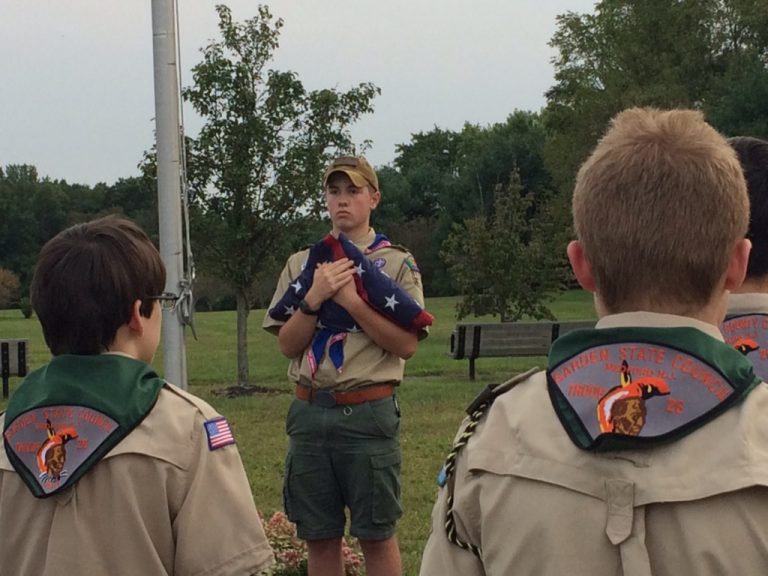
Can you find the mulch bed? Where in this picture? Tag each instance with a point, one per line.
(239, 391)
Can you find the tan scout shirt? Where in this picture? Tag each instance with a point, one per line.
(748, 303)
(365, 363)
(537, 505)
(159, 504)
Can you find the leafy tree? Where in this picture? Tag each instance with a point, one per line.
(84, 202)
(428, 164)
(739, 103)
(508, 263)
(704, 54)
(9, 288)
(35, 209)
(49, 205)
(443, 177)
(256, 165)
(20, 174)
(136, 198)
(18, 228)
(487, 157)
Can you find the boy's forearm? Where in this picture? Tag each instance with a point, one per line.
(296, 334)
(385, 333)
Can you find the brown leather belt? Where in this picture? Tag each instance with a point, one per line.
(331, 398)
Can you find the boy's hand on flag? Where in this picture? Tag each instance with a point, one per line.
(329, 277)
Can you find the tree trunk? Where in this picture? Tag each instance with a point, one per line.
(243, 309)
(501, 306)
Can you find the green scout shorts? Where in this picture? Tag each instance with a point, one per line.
(343, 457)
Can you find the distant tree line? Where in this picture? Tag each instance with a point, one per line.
(34, 209)
(437, 182)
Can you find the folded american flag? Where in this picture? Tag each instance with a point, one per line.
(374, 286)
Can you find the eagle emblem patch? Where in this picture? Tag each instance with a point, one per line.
(52, 443)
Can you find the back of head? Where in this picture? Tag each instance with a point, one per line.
(87, 279)
(753, 155)
(658, 207)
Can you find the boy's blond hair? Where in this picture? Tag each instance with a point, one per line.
(658, 207)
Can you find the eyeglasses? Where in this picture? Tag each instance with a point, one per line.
(167, 300)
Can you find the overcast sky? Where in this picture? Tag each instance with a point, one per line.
(76, 76)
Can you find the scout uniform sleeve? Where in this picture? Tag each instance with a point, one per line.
(409, 279)
(458, 518)
(217, 529)
(270, 324)
(442, 557)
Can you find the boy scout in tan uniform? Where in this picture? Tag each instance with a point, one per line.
(746, 324)
(364, 363)
(108, 469)
(348, 312)
(643, 448)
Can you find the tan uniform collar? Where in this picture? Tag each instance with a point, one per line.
(366, 240)
(748, 303)
(656, 320)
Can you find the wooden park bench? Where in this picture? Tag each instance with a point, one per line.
(13, 360)
(472, 341)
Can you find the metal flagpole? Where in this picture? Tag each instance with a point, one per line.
(168, 134)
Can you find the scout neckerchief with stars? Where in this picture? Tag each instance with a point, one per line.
(373, 285)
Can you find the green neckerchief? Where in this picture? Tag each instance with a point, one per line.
(76, 407)
(676, 379)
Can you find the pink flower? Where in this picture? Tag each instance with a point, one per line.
(291, 551)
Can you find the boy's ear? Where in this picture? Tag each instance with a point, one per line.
(737, 266)
(136, 321)
(375, 199)
(581, 267)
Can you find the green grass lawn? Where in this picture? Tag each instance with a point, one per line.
(433, 397)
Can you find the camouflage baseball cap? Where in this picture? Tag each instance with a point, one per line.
(356, 167)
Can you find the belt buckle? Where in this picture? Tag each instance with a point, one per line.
(324, 398)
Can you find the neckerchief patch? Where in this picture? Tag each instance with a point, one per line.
(52, 452)
(748, 333)
(66, 416)
(625, 388)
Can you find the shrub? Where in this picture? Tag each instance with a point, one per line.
(26, 307)
(291, 552)
(9, 288)
(509, 263)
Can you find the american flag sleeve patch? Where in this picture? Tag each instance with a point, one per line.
(219, 433)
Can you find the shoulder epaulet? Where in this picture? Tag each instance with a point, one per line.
(202, 406)
(397, 247)
(400, 247)
(493, 391)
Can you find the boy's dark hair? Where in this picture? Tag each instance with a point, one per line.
(753, 155)
(87, 279)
